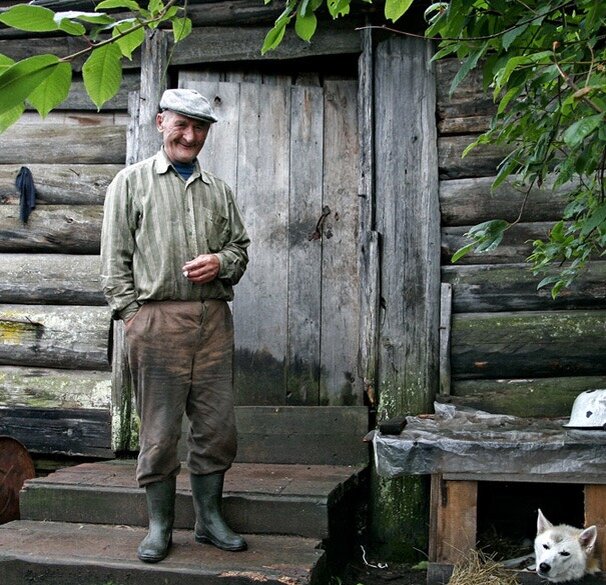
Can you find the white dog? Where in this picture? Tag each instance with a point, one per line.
(564, 553)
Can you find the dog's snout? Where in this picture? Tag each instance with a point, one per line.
(544, 567)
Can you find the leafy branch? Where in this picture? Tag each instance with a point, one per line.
(44, 81)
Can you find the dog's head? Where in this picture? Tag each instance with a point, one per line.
(562, 551)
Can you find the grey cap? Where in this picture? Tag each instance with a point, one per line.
(189, 103)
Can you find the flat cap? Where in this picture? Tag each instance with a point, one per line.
(189, 103)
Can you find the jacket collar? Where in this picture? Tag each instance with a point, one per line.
(163, 163)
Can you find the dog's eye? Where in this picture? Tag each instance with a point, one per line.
(546, 546)
(564, 553)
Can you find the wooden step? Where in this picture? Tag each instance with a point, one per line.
(301, 500)
(56, 553)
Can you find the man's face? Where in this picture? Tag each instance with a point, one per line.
(183, 137)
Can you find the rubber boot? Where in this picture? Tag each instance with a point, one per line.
(160, 497)
(207, 492)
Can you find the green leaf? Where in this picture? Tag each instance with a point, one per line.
(155, 6)
(131, 40)
(577, 132)
(181, 28)
(19, 80)
(76, 29)
(102, 73)
(53, 90)
(29, 18)
(462, 252)
(305, 26)
(5, 63)
(274, 37)
(108, 4)
(512, 35)
(394, 9)
(11, 116)
(596, 219)
(91, 17)
(338, 8)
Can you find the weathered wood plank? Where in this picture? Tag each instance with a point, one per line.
(341, 384)
(304, 311)
(513, 287)
(515, 247)
(408, 220)
(481, 161)
(50, 279)
(220, 44)
(368, 241)
(60, 184)
(53, 388)
(469, 109)
(528, 344)
(324, 435)
(84, 432)
(471, 201)
(262, 186)
(71, 337)
(52, 228)
(540, 397)
(595, 515)
(62, 144)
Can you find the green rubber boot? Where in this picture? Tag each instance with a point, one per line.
(207, 491)
(160, 497)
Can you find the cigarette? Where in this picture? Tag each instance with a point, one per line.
(185, 273)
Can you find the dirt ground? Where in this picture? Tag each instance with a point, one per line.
(359, 573)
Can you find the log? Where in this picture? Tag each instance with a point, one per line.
(471, 201)
(222, 44)
(54, 388)
(528, 344)
(531, 397)
(71, 337)
(62, 279)
(52, 228)
(482, 161)
(469, 108)
(77, 432)
(63, 144)
(515, 247)
(60, 184)
(513, 287)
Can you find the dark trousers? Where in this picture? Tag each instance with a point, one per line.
(181, 358)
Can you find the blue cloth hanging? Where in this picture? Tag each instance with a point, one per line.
(27, 193)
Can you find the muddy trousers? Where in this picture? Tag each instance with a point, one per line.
(181, 358)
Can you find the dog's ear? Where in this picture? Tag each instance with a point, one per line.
(542, 523)
(588, 537)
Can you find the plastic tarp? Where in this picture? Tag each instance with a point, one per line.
(458, 440)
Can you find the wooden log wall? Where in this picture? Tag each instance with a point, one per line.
(514, 349)
(55, 383)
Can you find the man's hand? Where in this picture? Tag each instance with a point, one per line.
(202, 269)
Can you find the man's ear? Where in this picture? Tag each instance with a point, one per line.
(159, 121)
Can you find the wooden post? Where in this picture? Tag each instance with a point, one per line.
(143, 140)
(595, 513)
(408, 220)
(445, 317)
(368, 255)
(454, 518)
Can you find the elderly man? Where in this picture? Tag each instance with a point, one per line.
(173, 245)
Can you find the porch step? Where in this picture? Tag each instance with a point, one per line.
(312, 501)
(58, 553)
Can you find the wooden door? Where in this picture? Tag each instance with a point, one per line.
(290, 153)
